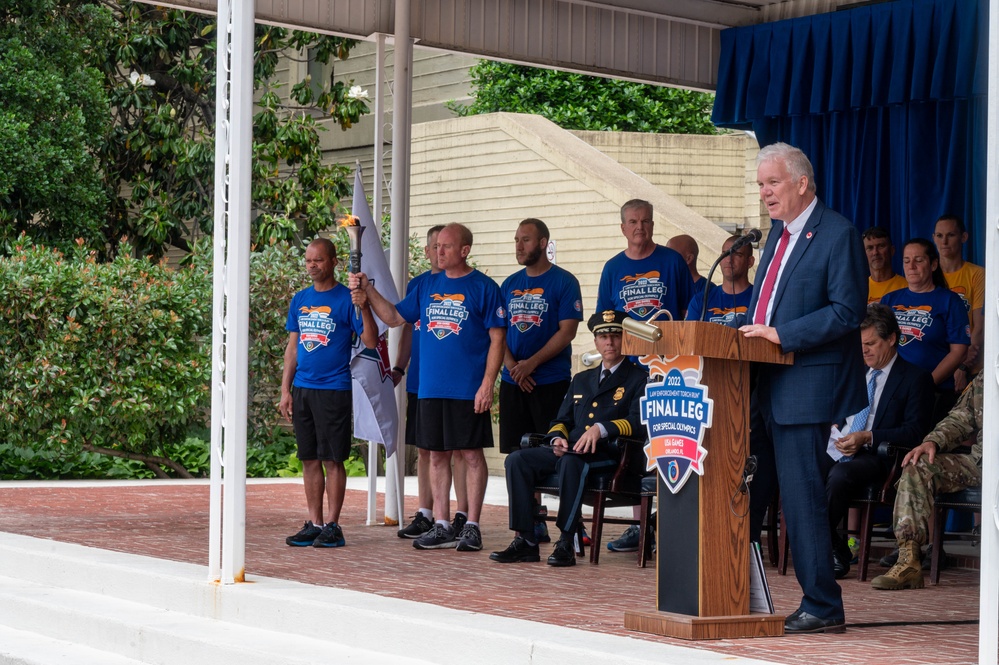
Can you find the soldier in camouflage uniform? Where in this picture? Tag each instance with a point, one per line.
(926, 473)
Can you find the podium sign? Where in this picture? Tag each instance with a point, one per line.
(698, 421)
(676, 411)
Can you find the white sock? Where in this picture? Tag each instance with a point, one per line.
(445, 524)
(426, 512)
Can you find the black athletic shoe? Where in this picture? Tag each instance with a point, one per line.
(458, 523)
(438, 538)
(470, 539)
(628, 541)
(519, 551)
(564, 553)
(306, 536)
(330, 536)
(419, 526)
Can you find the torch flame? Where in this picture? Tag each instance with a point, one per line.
(349, 220)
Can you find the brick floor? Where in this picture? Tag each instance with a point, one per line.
(936, 625)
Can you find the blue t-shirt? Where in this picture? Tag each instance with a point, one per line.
(930, 323)
(722, 307)
(326, 325)
(699, 287)
(644, 286)
(455, 317)
(413, 374)
(535, 306)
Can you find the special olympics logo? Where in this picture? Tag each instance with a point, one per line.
(445, 314)
(676, 413)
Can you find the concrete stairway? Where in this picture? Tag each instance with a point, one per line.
(64, 603)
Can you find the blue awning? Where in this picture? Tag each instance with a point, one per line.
(888, 100)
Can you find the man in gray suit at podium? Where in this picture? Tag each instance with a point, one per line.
(810, 297)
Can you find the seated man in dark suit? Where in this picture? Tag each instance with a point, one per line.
(900, 412)
(601, 404)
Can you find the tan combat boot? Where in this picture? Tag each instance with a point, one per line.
(906, 574)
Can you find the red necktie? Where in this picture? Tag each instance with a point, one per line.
(768, 284)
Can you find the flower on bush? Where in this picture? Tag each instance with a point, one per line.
(141, 79)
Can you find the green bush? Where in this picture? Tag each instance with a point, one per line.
(113, 358)
(100, 357)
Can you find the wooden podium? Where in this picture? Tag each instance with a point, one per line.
(703, 555)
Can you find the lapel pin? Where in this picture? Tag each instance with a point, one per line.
(808, 236)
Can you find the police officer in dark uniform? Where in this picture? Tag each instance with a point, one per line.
(601, 404)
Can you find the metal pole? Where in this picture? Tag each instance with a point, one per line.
(376, 214)
(400, 467)
(222, 69)
(376, 195)
(238, 294)
(988, 619)
(401, 136)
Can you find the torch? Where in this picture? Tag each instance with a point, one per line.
(354, 231)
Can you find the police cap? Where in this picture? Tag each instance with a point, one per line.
(607, 321)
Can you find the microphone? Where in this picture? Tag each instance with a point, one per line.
(752, 236)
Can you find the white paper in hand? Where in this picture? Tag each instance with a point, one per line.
(831, 448)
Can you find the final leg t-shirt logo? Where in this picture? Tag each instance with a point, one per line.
(724, 315)
(526, 308)
(913, 321)
(445, 314)
(314, 327)
(642, 293)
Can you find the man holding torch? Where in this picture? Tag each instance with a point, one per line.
(463, 323)
(316, 388)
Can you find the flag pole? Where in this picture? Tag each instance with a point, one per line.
(375, 411)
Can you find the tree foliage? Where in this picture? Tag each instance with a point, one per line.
(576, 101)
(53, 120)
(111, 106)
(163, 129)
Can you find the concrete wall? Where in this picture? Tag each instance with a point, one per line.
(707, 173)
(492, 171)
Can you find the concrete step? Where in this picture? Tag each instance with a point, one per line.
(140, 633)
(162, 612)
(18, 647)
